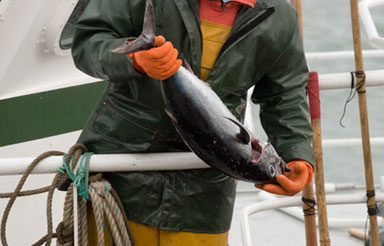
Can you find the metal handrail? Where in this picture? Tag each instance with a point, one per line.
(295, 201)
(140, 162)
(369, 25)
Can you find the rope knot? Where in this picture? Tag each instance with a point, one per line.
(64, 234)
(80, 179)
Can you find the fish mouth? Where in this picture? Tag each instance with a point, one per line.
(283, 166)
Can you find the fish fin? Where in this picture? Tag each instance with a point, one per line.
(243, 136)
(268, 148)
(146, 40)
(188, 66)
(171, 116)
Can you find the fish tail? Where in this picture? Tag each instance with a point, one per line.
(146, 40)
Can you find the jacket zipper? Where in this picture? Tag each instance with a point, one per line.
(245, 29)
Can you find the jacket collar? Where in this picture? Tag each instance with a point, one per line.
(247, 13)
(250, 3)
(192, 22)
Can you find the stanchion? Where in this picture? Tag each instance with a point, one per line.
(308, 194)
(314, 102)
(360, 87)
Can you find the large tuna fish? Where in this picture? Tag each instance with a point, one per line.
(206, 125)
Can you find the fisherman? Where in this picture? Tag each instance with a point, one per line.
(232, 45)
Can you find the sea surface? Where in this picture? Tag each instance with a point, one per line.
(327, 27)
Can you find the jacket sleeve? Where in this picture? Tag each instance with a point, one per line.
(284, 111)
(103, 26)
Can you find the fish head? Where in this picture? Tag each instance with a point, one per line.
(268, 162)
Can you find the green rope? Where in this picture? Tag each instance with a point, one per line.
(80, 180)
(67, 168)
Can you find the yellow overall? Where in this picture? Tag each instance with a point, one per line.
(214, 36)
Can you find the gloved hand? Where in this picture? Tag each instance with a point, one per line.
(291, 182)
(160, 62)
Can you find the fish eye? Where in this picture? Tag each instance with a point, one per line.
(272, 171)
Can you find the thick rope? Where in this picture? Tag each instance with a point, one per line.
(123, 214)
(18, 189)
(117, 215)
(43, 240)
(99, 216)
(117, 239)
(104, 198)
(25, 192)
(108, 206)
(100, 188)
(83, 228)
(59, 179)
(64, 230)
(76, 151)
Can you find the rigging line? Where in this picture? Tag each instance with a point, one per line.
(311, 210)
(361, 82)
(352, 95)
(372, 210)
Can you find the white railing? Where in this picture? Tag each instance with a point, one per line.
(340, 55)
(297, 212)
(295, 201)
(349, 142)
(344, 80)
(140, 162)
(116, 162)
(369, 25)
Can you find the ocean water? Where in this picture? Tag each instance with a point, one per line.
(327, 27)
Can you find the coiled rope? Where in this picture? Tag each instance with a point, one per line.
(104, 202)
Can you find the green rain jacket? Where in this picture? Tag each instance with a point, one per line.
(264, 49)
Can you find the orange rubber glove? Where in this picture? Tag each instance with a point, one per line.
(158, 63)
(291, 182)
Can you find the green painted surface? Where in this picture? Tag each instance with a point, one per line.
(48, 113)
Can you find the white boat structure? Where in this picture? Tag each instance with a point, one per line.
(43, 105)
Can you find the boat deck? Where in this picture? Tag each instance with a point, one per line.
(274, 227)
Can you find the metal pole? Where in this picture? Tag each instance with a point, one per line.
(116, 163)
(360, 87)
